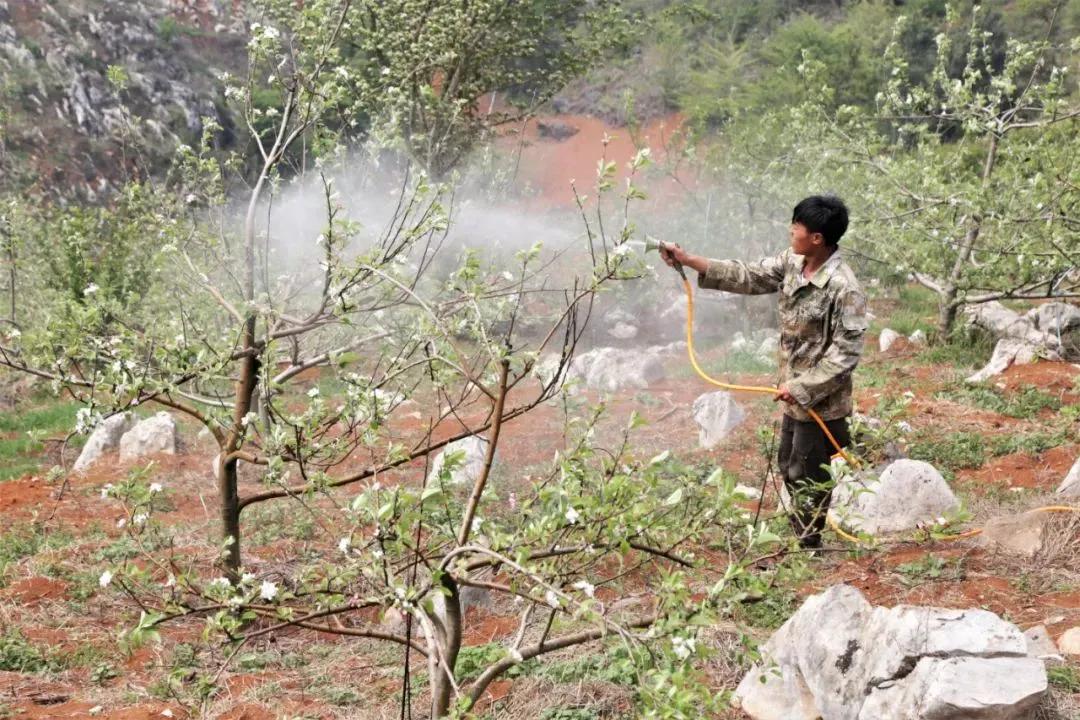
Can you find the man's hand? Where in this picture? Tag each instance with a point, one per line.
(782, 393)
(671, 253)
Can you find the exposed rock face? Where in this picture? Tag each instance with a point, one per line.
(906, 494)
(1069, 642)
(917, 338)
(104, 439)
(839, 658)
(717, 414)
(471, 465)
(153, 435)
(1055, 317)
(66, 112)
(1070, 486)
(887, 338)
(1041, 645)
(1021, 340)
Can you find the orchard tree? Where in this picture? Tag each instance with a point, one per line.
(965, 182)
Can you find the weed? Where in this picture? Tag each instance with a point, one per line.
(336, 695)
(967, 348)
(929, 569)
(26, 541)
(1065, 677)
(1031, 443)
(954, 451)
(103, 673)
(1026, 403)
(568, 713)
(617, 665)
(30, 421)
(472, 661)
(18, 655)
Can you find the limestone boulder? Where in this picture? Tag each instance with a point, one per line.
(1069, 642)
(155, 434)
(105, 439)
(918, 338)
(1011, 351)
(1041, 645)
(717, 415)
(840, 658)
(469, 466)
(614, 369)
(903, 496)
(887, 338)
(1070, 486)
(1055, 317)
(1021, 534)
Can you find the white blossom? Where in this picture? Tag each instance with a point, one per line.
(105, 579)
(344, 544)
(140, 518)
(586, 587)
(105, 489)
(683, 647)
(572, 515)
(551, 598)
(268, 590)
(90, 289)
(155, 488)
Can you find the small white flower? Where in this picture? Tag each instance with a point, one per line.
(105, 489)
(941, 521)
(140, 519)
(268, 590)
(190, 198)
(248, 419)
(14, 333)
(167, 712)
(105, 579)
(586, 587)
(683, 647)
(377, 553)
(507, 275)
(155, 488)
(121, 523)
(572, 515)
(220, 582)
(313, 392)
(96, 710)
(904, 426)
(90, 289)
(170, 581)
(516, 655)
(551, 598)
(344, 544)
(247, 578)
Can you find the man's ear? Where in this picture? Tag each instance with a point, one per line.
(817, 239)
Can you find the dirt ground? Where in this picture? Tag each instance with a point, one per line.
(50, 594)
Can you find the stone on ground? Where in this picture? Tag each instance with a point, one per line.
(155, 434)
(470, 466)
(1022, 534)
(1041, 645)
(750, 493)
(1069, 642)
(615, 369)
(887, 338)
(104, 439)
(1020, 340)
(839, 658)
(1010, 351)
(905, 495)
(717, 414)
(1055, 317)
(1071, 484)
(917, 338)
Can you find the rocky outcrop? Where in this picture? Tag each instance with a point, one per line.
(717, 415)
(156, 434)
(614, 369)
(105, 439)
(1020, 339)
(904, 496)
(839, 658)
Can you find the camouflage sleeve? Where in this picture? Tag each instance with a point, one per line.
(736, 276)
(840, 357)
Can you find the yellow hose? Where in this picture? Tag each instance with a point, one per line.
(817, 418)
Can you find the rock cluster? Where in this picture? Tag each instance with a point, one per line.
(905, 495)
(840, 658)
(155, 434)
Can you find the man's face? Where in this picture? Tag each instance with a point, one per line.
(803, 241)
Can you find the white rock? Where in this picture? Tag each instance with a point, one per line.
(614, 369)
(1041, 645)
(887, 338)
(156, 434)
(1071, 484)
(623, 331)
(917, 338)
(739, 342)
(470, 467)
(1010, 351)
(1022, 534)
(839, 658)
(717, 414)
(1069, 642)
(750, 493)
(906, 494)
(104, 439)
(1055, 317)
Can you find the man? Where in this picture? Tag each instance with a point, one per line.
(822, 322)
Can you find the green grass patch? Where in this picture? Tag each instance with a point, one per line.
(967, 349)
(26, 541)
(17, 654)
(953, 451)
(916, 310)
(1026, 403)
(27, 424)
(1064, 677)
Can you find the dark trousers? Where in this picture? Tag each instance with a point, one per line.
(804, 449)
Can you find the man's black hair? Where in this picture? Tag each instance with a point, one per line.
(825, 214)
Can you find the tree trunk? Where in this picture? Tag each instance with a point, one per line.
(447, 617)
(230, 516)
(948, 308)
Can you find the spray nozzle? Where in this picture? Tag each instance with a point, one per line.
(654, 245)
